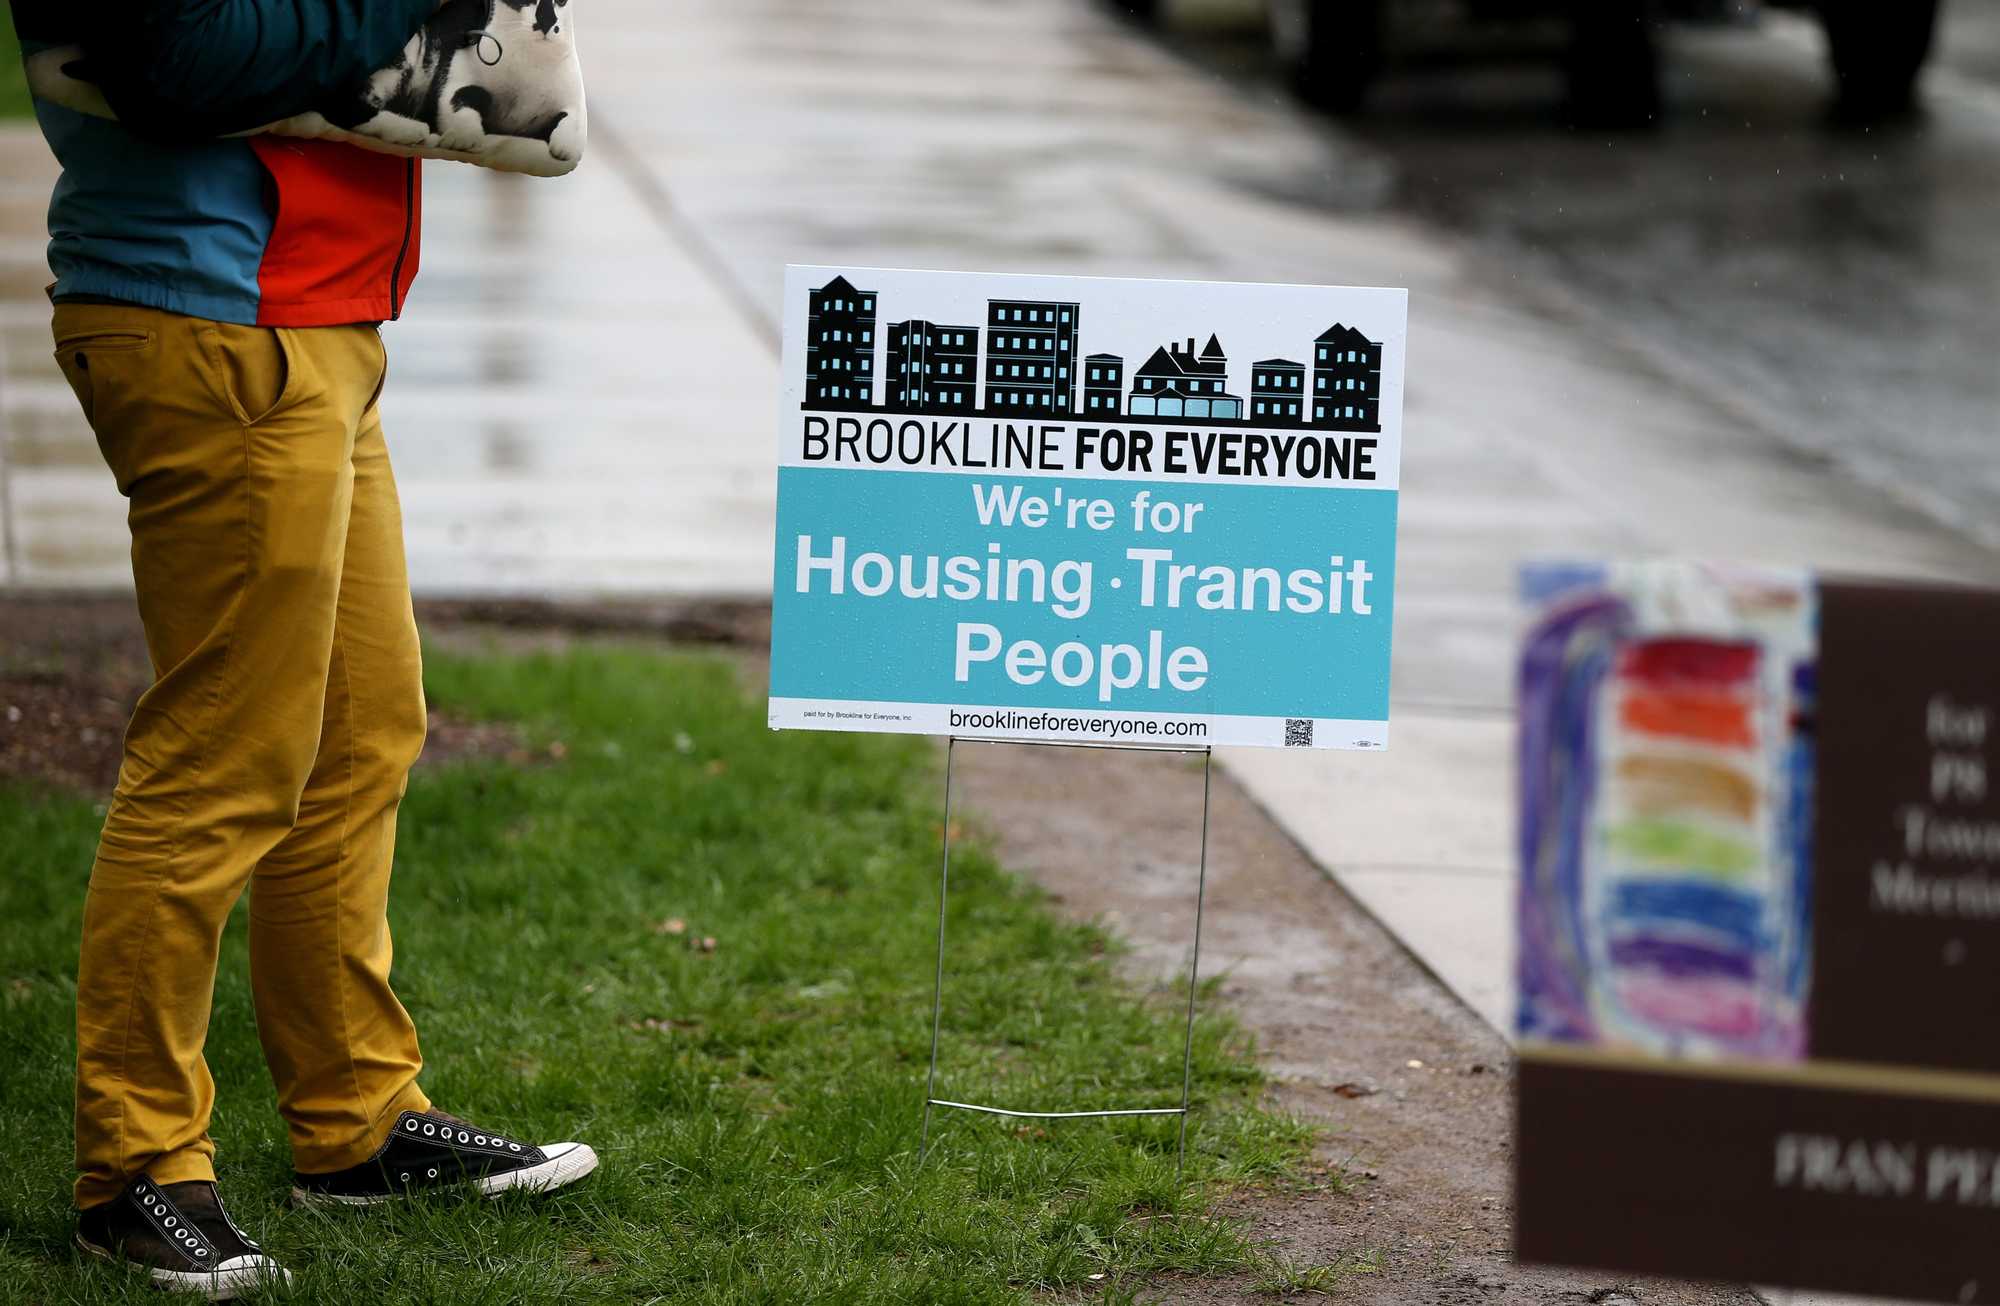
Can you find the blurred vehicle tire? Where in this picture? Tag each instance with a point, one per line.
(1613, 64)
(1332, 48)
(1877, 48)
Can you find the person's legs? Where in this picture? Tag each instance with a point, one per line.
(235, 446)
(339, 1043)
(341, 1047)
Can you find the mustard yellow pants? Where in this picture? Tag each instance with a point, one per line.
(271, 751)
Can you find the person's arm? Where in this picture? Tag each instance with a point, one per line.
(177, 70)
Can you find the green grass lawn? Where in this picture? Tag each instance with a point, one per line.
(13, 78)
(757, 1106)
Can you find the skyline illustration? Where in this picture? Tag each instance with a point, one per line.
(1023, 362)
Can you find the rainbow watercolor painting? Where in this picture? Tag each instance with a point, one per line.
(1665, 806)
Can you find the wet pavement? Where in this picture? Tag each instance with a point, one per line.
(1046, 135)
(574, 407)
(582, 395)
(1836, 286)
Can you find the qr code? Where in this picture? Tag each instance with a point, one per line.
(1298, 733)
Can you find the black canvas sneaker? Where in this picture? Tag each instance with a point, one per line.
(180, 1236)
(431, 1150)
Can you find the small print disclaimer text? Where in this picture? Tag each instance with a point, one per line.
(836, 714)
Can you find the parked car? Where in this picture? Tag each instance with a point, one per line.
(1335, 49)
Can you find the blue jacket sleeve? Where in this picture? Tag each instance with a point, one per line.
(196, 69)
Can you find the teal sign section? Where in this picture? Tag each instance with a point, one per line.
(1086, 594)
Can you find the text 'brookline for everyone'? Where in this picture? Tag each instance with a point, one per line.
(1003, 446)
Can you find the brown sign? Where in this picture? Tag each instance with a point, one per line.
(1797, 1181)
(1906, 937)
(1864, 1155)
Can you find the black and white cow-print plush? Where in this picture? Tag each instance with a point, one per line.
(491, 82)
(487, 81)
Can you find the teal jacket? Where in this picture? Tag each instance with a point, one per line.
(154, 209)
(196, 69)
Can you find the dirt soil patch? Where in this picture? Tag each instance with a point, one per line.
(1416, 1092)
(71, 670)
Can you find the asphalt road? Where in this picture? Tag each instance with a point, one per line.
(1837, 285)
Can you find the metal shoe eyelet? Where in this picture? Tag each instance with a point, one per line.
(429, 1130)
(479, 1139)
(410, 1125)
(406, 1178)
(201, 1253)
(464, 1137)
(514, 1147)
(431, 1174)
(171, 1222)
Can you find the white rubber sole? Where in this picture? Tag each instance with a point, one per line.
(567, 1163)
(220, 1284)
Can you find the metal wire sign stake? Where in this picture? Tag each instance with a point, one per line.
(931, 1099)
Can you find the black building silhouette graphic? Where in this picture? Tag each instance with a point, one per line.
(840, 346)
(1030, 358)
(1103, 385)
(1031, 370)
(1278, 392)
(1347, 380)
(932, 368)
(1175, 382)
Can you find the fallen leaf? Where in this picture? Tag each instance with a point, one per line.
(1355, 1090)
(656, 1025)
(832, 988)
(716, 766)
(674, 926)
(558, 750)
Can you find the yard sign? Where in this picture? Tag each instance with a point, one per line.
(1087, 509)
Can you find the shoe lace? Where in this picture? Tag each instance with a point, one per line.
(199, 1204)
(465, 1131)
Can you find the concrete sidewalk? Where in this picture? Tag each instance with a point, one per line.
(568, 408)
(565, 404)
